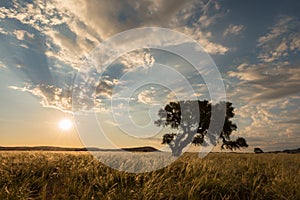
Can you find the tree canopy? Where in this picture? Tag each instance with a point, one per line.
(198, 122)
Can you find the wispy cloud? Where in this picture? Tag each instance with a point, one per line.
(2, 66)
(234, 30)
(266, 82)
(282, 38)
(137, 58)
(266, 124)
(50, 96)
(21, 34)
(204, 40)
(268, 103)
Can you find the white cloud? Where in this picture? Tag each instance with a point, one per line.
(21, 34)
(283, 37)
(267, 103)
(93, 21)
(280, 28)
(204, 40)
(89, 22)
(137, 58)
(2, 31)
(199, 29)
(268, 125)
(234, 29)
(51, 96)
(43, 16)
(2, 66)
(105, 18)
(148, 97)
(110, 17)
(266, 82)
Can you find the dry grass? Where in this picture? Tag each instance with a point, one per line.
(53, 175)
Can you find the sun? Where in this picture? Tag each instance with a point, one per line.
(65, 124)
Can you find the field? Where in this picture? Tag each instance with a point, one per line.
(63, 175)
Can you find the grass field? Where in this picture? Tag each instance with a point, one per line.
(62, 175)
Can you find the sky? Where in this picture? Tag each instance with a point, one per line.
(46, 77)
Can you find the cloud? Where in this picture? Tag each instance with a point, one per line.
(282, 38)
(204, 40)
(137, 58)
(4, 32)
(50, 96)
(73, 28)
(267, 103)
(234, 30)
(266, 82)
(2, 66)
(104, 89)
(21, 34)
(261, 122)
(110, 17)
(278, 29)
(203, 16)
(39, 14)
(148, 97)
(45, 17)
(292, 121)
(58, 35)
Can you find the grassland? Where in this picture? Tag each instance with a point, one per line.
(66, 175)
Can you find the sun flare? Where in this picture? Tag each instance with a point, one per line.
(65, 124)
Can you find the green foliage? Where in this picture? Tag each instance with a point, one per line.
(218, 176)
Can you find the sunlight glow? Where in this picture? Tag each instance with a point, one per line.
(65, 124)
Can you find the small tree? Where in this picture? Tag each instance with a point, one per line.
(193, 119)
(258, 150)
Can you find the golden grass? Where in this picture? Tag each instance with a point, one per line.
(54, 175)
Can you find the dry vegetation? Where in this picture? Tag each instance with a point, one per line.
(53, 175)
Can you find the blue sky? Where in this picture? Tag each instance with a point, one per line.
(43, 44)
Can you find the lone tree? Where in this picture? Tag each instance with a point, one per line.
(199, 123)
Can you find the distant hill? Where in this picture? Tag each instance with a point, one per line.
(50, 148)
(141, 149)
(292, 151)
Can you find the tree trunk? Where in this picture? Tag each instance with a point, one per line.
(176, 152)
(176, 149)
(180, 143)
